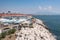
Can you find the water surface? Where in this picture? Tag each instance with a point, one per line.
(53, 22)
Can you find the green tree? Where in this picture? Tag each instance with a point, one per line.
(3, 34)
(31, 25)
(11, 31)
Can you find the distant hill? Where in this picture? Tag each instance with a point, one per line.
(46, 13)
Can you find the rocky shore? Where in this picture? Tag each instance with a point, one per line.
(37, 32)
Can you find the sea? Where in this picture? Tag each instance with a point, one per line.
(52, 22)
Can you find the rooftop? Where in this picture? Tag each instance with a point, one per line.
(13, 14)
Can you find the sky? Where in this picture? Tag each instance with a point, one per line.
(30, 6)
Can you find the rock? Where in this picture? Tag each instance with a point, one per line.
(38, 32)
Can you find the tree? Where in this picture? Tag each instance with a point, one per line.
(9, 11)
(11, 31)
(31, 25)
(3, 34)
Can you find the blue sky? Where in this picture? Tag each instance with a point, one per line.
(30, 6)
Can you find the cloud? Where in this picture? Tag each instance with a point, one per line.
(45, 8)
(40, 7)
(50, 7)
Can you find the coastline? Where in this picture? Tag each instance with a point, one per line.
(38, 23)
(33, 27)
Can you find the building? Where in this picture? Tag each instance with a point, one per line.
(9, 21)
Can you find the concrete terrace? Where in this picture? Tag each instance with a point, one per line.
(7, 22)
(13, 14)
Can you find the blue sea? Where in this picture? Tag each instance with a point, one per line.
(52, 22)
